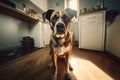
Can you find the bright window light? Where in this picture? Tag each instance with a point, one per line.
(86, 70)
(73, 4)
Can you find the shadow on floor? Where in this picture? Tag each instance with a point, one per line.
(11, 54)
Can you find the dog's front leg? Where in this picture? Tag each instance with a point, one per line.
(67, 63)
(67, 75)
(54, 76)
(51, 60)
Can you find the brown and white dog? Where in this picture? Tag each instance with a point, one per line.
(60, 41)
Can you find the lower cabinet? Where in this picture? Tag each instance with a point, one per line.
(92, 31)
(40, 32)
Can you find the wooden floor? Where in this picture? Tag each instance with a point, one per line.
(88, 65)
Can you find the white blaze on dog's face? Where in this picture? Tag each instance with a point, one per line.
(59, 22)
(59, 27)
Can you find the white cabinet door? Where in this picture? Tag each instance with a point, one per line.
(91, 32)
(91, 36)
(37, 33)
(47, 33)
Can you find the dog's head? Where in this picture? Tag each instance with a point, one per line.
(59, 20)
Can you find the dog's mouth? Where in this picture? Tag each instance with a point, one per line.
(60, 30)
(59, 35)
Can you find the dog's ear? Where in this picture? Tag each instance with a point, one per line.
(72, 13)
(47, 15)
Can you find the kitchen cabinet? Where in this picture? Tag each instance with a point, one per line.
(41, 33)
(92, 31)
(37, 33)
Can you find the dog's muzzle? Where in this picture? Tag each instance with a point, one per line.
(60, 28)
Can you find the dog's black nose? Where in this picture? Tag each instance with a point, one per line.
(60, 26)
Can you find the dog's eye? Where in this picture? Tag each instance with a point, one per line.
(54, 19)
(65, 19)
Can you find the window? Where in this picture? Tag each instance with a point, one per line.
(73, 4)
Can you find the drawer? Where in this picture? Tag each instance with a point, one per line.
(91, 16)
(92, 21)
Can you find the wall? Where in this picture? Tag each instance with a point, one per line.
(110, 4)
(113, 37)
(11, 31)
(52, 4)
(42, 4)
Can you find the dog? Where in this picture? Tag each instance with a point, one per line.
(60, 40)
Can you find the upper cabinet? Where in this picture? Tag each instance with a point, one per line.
(42, 4)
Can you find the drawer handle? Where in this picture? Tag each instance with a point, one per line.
(91, 17)
(91, 22)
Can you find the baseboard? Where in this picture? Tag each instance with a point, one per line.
(9, 48)
(112, 55)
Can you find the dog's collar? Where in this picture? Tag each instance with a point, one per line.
(66, 33)
(57, 42)
(57, 39)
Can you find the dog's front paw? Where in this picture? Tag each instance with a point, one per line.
(70, 68)
(50, 65)
(67, 76)
(53, 77)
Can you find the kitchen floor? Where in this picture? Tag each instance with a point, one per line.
(11, 54)
(88, 65)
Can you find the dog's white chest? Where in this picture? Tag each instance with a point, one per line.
(61, 50)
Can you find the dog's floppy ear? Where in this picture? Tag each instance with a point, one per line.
(47, 15)
(72, 13)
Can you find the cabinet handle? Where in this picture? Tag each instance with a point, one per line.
(91, 22)
(91, 17)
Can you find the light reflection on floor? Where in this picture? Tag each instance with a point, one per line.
(86, 70)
